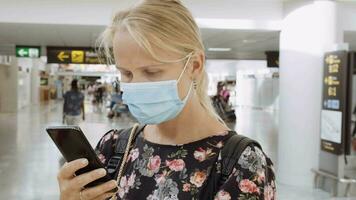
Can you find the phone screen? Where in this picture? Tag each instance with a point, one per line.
(73, 145)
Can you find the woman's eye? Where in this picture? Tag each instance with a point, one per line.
(125, 73)
(152, 73)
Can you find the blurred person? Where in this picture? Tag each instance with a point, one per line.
(99, 93)
(115, 102)
(90, 90)
(223, 92)
(218, 96)
(73, 107)
(178, 153)
(221, 103)
(116, 97)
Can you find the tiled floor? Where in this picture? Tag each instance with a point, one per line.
(29, 159)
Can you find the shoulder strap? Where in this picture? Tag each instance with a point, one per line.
(231, 152)
(119, 151)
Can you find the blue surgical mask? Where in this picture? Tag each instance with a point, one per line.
(155, 102)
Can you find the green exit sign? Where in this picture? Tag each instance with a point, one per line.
(28, 51)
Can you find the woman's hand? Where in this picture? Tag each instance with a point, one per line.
(71, 187)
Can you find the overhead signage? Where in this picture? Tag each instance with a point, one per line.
(28, 51)
(78, 55)
(272, 58)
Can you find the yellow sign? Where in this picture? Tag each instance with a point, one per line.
(77, 56)
(334, 68)
(332, 59)
(332, 91)
(62, 56)
(331, 80)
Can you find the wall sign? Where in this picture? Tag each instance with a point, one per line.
(353, 58)
(28, 51)
(336, 102)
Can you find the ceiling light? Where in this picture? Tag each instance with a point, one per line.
(239, 24)
(249, 41)
(219, 49)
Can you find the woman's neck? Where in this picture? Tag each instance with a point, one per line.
(192, 124)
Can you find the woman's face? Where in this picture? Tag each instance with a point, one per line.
(135, 65)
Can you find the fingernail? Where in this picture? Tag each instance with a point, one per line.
(102, 171)
(85, 161)
(114, 183)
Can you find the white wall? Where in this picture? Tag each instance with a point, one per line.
(29, 83)
(230, 67)
(24, 82)
(5, 59)
(259, 90)
(346, 12)
(221, 70)
(347, 15)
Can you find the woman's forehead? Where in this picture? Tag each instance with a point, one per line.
(128, 52)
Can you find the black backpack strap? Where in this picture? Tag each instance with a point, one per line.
(119, 150)
(231, 153)
(234, 146)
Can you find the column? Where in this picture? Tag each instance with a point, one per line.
(8, 87)
(309, 29)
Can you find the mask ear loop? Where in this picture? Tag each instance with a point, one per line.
(181, 74)
(185, 66)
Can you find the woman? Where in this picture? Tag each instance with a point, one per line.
(158, 49)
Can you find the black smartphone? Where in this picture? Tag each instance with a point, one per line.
(73, 144)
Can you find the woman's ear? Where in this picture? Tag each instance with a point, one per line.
(198, 60)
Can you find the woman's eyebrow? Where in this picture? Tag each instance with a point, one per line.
(121, 68)
(144, 66)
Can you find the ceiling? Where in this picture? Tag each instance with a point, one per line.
(244, 44)
(247, 45)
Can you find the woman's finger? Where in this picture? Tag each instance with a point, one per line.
(68, 169)
(99, 191)
(83, 179)
(104, 196)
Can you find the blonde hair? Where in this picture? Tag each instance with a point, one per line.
(161, 24)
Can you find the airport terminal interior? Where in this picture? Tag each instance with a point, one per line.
(281, 72)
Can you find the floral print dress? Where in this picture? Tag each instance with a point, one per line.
(169, 172)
